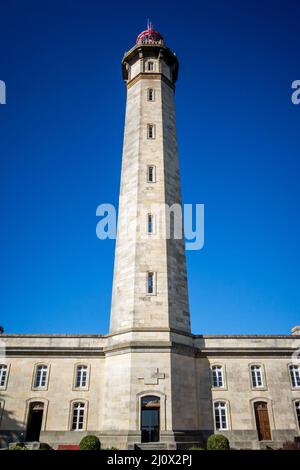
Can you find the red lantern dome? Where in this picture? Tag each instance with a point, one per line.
(149, 36)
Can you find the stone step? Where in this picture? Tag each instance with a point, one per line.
(152, 446)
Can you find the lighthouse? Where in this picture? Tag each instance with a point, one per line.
(150, 320)
(150, 282)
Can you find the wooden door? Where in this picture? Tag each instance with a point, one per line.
(262, 421)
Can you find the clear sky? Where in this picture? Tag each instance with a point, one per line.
(61, 137)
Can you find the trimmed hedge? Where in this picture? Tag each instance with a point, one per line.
(89, 443)
(217, 442)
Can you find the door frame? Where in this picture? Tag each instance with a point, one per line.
(157, 410)
(162, 409)
(270, 414)
(27, 411)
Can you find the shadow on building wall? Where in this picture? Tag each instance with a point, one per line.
(192, 406)
(11, 430)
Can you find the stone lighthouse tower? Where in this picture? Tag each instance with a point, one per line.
(150, 287)
(147, 360)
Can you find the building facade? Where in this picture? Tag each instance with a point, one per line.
(150, 382)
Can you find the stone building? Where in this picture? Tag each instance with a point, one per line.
(150, 381)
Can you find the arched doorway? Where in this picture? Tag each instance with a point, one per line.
(34, 421)
(262, 421)
(150, 406)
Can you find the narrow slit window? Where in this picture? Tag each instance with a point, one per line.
(151, 174)
(150, 94)
(151, 131)
(150, 283)
(150, 223)
(150, 66)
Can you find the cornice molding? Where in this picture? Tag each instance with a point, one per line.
(151, 76)
(148, 346)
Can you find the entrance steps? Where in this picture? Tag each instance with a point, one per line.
(152, 446)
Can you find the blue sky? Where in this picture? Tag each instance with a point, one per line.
(61, 137)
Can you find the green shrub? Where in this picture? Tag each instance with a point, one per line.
(45, 446)
(19, 446)
(89, 443)
(217, 442)
(111, 448)
(196, 448)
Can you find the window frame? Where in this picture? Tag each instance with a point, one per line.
(45, 402)
(150, 214)
(153, 131)
(71, 414)
(88, 373)
(152, 94)
(223, 373)
(153, 173)
(290, 366)
(270, 405)
(2, 405)
(154, 280)
(297, 415)
(150, 66)
(4, 386)
(35, 370)
(227, 415)
(263, 386)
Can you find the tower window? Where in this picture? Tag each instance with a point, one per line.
(150, 223)
(217, 376)
(151, 131)
(3, 375)
(295, 376)
(151, 174)
(256, 376)
(150, 94)
(151, 288)
(220, 409)
(41, 376)
(81, 376)
(150, 66)
(78, 412)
